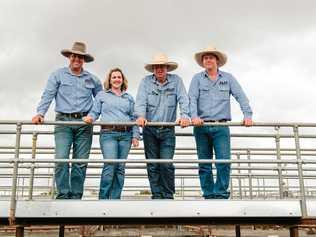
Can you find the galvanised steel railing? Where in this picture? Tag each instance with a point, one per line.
(267, 173)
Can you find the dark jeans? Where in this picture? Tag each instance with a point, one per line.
(79, 137)
(207, 138)
(159, 143)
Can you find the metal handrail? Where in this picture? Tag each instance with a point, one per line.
(280, 163)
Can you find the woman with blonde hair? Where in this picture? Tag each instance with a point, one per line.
(114, 104)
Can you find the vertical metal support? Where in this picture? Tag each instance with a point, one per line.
(231, 188)
(52, 188)
(239, 180)
(182, 187)
(15, 174)
(249, 175)
(300, 171)
(32, 171)
(61, 231)
(237, 230)
(19, 231)
(294, 231)
(278, 152)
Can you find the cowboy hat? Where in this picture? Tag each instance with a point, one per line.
(222, 58)
(161, 59)
(80, 49)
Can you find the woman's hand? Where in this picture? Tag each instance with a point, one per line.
(135, 142)
(88, 119)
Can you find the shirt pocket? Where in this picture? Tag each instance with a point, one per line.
(66, 87)
(152, 100)
(171, 100)
(223, 93)
(88, 87)
(204, 93)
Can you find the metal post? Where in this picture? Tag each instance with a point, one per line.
(19, 231)
(61, 231)
(15, 174)
(300, 171)
(237, 230)
(34, 140)
(249, 175)
(278, 151)
(182, 187)
(231, 188)
(52, 188)
(239, 179)
(294, 231)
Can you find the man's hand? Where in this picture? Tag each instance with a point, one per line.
(88, 119)
(183, 122)
(141, 121)
(135, 142)
(248, 122)
(197, 121)
(38, 119)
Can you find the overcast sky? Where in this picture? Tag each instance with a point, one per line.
(270, 46)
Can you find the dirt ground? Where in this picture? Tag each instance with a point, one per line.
(161, 231)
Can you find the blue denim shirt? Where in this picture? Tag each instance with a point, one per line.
(72, 93)
(113, 108)
(158, 102)
(210, 99)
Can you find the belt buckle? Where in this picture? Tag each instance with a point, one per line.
(76, 115)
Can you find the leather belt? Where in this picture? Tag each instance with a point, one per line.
(74, 115)
(117, 128)
(214, 121)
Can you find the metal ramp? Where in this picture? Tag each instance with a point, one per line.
(269, 184)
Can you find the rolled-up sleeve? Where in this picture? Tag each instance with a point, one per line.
(183, 99)
(98, 87)
(48, 95)
(193, 97)
(96, 108)
(141, 100)
(238, 93)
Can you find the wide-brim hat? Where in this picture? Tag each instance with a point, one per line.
(161, 59)
(80, 49)
(222, 58)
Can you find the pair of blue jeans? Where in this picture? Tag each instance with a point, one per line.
(159, 143)
(218, 138)
(79, 138)
(114, 145)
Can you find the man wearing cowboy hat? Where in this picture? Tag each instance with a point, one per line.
(73, 89)
(209, 95)
(157, 99)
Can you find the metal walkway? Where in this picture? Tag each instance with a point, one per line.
(272, 181)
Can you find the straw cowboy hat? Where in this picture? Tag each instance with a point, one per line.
(80, 49)
(222, 58)
(161, 59)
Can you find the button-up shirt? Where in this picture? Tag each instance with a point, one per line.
(210, 99)
(114, 108)
(158, 102)
(72, 93)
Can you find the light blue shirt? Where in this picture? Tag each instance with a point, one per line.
(72, 93)
(114, 108)
(158, 102)
(210, 99)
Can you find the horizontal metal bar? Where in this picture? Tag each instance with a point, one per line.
(263, 161)
(255, 124)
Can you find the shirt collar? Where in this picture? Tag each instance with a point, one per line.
(110, 91)
(83, 72)
(219, 74)
(155, 81)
